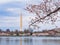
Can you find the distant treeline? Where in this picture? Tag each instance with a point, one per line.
(17, 32)
(8, 30)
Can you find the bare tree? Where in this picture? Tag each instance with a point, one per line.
(17, 32)
(0, 30)
(7, 30)
(45, 11)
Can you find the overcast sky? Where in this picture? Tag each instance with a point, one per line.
(10, 11)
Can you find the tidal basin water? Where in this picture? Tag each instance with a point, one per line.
(30, 40)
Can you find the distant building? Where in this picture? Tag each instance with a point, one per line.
(57, 29)
(40, 34)
(52, 32)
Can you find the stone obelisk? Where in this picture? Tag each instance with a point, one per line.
(21, 22)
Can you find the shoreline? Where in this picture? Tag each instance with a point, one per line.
(29, 36)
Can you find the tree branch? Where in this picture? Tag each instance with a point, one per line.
(46, 16)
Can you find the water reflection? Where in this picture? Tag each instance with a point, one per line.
(51, 41)
(20, 41)
(0, 40)
(28, 41)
